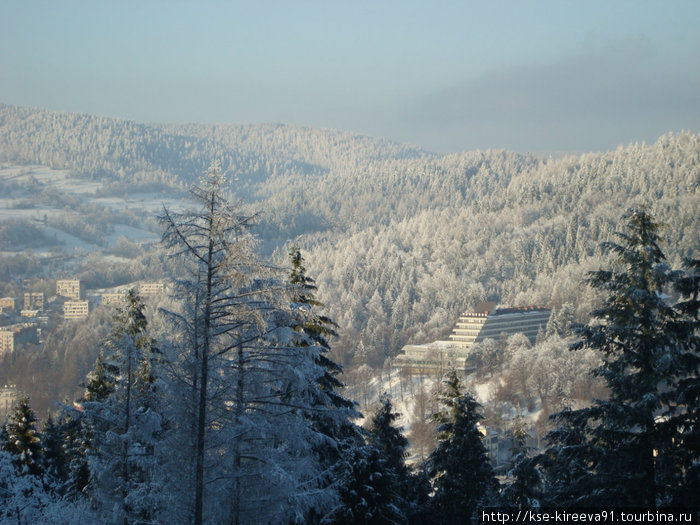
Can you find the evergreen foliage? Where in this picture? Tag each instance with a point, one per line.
(410, 490)
(621, 450)
(523, 486)
(461, 473)
(23, 440)
(125, 420)
(54, 458)
(367, 491)
(331, 410)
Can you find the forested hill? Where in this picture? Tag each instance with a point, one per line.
(400, 240)
(101, 147)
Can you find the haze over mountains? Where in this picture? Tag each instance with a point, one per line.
(400, 240)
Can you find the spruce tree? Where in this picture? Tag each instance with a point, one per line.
(367, 491)
(330, 412)
(523, 485)
(620, 450)
(392, 445)
(100, 382)
(682, 416)
(461, 473)
(124, 417)
(317, 328)
(23, 440)
(409, 490)
(54, 457)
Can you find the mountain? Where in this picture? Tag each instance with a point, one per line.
(400, 240)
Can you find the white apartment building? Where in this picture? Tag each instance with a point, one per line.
(154, 288)
(69, 288)
(7, 342)
(489, 322)
(114, 299)
(485, 322)
(75, 309)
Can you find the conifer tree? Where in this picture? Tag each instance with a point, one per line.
(100, 382)
(317, 328)
(367, 492)
(682, 416)
(54, 458)
(332, 411)
(245, 349)
(409, 490)
(620, 450)
(524, 480)
(23, 440)
(124, 419)
(389, 439)
(459, 467)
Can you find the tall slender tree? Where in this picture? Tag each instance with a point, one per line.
(249, 350)
(214, 248)
(332, 411)
(125, 419)
(461, 473)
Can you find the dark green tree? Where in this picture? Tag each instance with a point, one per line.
(620, 451)
(78, 435)
(682, 418)
(367, 491)
(410, 489)
(54, 458)
(318, 329)
(124, 417)
(100, 382)
(386, 437)
(23, 440)
(461, 473)
(331, 413)
(523, 486)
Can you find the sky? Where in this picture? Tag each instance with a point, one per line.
(551, 76)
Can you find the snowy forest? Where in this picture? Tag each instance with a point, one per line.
(307, 260)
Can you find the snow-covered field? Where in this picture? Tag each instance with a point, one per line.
(34, 179)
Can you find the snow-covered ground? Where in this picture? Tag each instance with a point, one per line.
(33, 179)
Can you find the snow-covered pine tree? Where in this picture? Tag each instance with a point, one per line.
(125, 420)
(616, 452)
(682, 417)
(23, 440)
(367, 494)
(250, 373)
(409, 490)
(330, 412)
(460, 470)
(523, 484)
(318, 329)
(54, 458)
(384, 435)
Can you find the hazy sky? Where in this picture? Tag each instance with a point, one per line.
(449, 76)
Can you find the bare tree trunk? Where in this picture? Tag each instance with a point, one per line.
(202, 416)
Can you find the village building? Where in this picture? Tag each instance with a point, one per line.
(75, 310)
(7, 303)
(152, 288)
(33, 300)
(69, 288)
